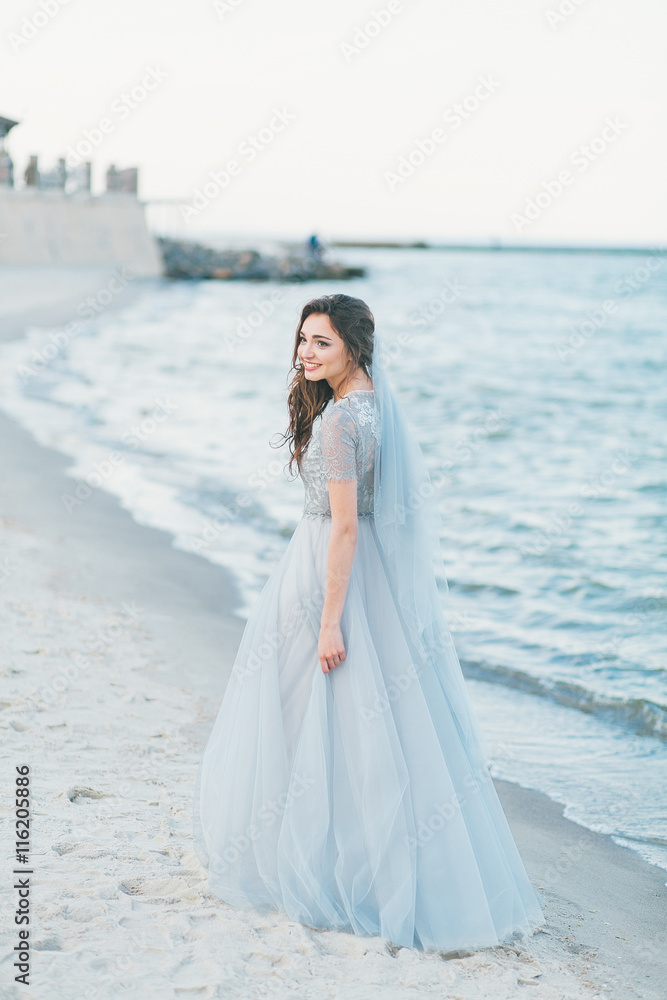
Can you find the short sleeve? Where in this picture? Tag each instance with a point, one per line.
(339, 444)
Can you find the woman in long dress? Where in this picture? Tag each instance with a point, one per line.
(344, 781)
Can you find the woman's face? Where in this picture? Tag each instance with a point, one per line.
(321, 350)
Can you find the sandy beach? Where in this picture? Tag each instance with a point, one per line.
(117, 648)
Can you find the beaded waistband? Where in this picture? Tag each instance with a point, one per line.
(319, 513)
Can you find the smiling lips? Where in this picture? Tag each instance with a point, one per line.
(310, 367)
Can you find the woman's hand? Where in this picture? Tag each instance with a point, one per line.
(330, 648)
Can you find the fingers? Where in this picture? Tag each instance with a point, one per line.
(332, 660)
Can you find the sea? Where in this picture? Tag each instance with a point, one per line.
(536, 382)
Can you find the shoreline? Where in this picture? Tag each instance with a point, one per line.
(497, 247)
(61, 295)
(602, 901)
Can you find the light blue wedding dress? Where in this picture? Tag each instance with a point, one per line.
(360, 799)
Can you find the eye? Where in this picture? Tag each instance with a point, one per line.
(320, 343)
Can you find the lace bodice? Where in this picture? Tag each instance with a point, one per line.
(341, 447)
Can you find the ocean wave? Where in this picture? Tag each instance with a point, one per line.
(639, 715)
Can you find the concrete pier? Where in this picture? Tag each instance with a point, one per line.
(48, 227)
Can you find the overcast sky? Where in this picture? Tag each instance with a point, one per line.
(327, 111)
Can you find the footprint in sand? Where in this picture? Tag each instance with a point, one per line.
(162, 890)
(83, 792)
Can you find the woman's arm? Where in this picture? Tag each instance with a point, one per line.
(342, 547)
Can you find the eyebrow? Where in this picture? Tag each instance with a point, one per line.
(319, 337)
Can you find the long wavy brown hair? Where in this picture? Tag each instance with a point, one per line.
(354, 323)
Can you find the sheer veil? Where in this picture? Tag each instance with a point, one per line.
(408, 525)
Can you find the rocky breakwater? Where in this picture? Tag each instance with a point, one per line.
(187, 260)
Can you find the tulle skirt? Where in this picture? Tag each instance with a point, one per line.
(350, 800)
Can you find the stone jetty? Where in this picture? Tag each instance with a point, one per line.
(185, 259)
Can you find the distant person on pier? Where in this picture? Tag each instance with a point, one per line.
(315, 248)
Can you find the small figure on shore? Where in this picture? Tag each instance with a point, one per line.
(315, 248)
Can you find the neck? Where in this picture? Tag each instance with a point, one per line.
(358, 381)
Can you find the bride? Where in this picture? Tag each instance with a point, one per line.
(344, 781)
